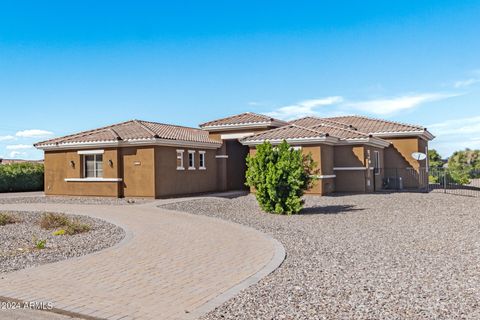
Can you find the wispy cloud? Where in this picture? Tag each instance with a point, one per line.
(463, 126)
(386, 106)
(15, 154)
(304, 108)
(456, 134)
(6, 138)
(465, 83)
(19, 146)
(33, 133)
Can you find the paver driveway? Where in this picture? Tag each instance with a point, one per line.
(170, 265)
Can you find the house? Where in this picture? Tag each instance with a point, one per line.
(148, 159)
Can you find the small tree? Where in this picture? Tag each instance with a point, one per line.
(280, 176)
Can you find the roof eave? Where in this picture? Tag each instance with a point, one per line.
(425, 134)
(128, 143)
(294, 141)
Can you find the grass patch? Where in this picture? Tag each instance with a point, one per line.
(7, 218)
(66, 224)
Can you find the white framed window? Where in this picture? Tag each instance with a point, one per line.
(376, 162)
(191, 159)
(180, 160)
(201, 160)
(93, 166)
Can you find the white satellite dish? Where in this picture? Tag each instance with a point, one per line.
(419, 156)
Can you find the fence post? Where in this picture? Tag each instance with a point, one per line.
(444, 181)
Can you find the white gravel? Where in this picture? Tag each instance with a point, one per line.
(17, 241)
(376, 256)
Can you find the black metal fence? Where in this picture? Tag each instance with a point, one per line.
(460, 182)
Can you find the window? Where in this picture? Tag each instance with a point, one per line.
(376, 162)
(201, 160)
(93, 165)
(180, 160)
(191, 159)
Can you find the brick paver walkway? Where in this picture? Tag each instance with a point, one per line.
(169, 265)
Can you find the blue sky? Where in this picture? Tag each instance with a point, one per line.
(67, 66)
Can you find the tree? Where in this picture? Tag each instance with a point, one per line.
(434, 159)
(280, 176)
(464, 165)
(436, 164)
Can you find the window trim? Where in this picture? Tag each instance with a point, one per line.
(202, 158)
(376, 162)
(90, 152)
(192, 166)
(95, 171)
(180, 153)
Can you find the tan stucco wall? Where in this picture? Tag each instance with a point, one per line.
(398, 160)
(170, 181)
(138, 171)
(58, 167)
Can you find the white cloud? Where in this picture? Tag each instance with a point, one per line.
(464, 126)
(304, 108)
(456, 134)
(33, 133)
(5, 138)
(465, 83)
(15, 154)
(19, 146)
(391, 105)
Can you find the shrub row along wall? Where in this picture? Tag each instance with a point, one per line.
(17, 177)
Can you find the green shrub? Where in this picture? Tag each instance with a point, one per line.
(21, 177)
(280, 176)
(40, 244)
(7, 218)
(66, 225)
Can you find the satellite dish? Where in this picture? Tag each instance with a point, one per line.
(419, 156)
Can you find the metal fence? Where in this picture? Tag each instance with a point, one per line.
(460, 182)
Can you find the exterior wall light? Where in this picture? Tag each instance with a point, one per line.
(110, 163)
(72, 163)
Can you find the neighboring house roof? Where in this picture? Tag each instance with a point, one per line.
(291, 133)
(376, 127)
(134, 132)
(321, 133)
(243, 120)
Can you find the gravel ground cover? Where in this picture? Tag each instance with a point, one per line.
(377, 256)
(73, 200)
(17, 241)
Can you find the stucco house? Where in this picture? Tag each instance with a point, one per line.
(148, 159)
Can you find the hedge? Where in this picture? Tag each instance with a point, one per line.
(25, 176)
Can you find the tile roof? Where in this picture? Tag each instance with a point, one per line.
(338, 132)
(315, 121)
(291, 131)
(242, 119)
(375, 126)
(133, 130)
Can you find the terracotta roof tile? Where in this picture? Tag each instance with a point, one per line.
(286, 132)
(370, 125)
(241, 119)
(134, 130)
